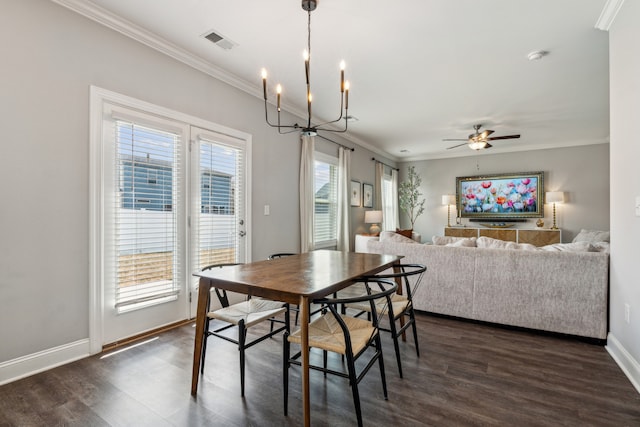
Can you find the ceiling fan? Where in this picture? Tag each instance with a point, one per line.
(480, 140)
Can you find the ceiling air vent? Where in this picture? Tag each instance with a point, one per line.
(220, 40)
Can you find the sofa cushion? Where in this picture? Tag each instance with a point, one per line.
(570, 247)
(395, 237)
(445, 240)
(592, 236)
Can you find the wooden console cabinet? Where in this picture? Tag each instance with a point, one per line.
(537, 237)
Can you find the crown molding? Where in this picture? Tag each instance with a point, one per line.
(152, 40)
(608, 14)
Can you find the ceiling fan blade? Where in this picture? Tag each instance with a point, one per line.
(503, 137)
(485, 133)
(455, 139)
(456, 146)
(487, 146)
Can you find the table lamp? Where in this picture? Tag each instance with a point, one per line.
(374, 218)
(448, 200)
(554, 197)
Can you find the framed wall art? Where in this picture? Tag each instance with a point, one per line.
(355, 193)
(367, 195)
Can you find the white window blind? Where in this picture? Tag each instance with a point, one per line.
(326, 201)
(219, 209)
(145, 230)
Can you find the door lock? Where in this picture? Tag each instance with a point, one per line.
(242, 233)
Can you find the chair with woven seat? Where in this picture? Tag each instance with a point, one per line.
(244, 315)
(409, 279)
(348, 336)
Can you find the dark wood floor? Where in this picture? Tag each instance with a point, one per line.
(469, 374)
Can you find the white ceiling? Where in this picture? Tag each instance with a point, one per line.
(420, 70)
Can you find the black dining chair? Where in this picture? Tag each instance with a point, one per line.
(242, 315)
(348, 336)
(409, 277)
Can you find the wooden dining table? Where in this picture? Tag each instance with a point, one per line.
(296, 279)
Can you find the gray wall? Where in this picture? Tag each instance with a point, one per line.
(581, 172)
(50, 57)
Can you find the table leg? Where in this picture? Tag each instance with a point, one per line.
(304, 344)
(203, 295)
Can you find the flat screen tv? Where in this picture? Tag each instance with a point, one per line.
(501, 197)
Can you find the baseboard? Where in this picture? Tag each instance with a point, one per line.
(25, 366)
(625, 361)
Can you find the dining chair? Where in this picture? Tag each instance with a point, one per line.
(297, 307)
(244, 315)
(348, 336)
(409, 278)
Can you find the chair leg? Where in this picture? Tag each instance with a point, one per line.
(297, 314)
(324, 362)
(353, 380)
(412, 316)
(204, 344)
(285, 370)
(242, 335)
(396, 346)
(381, 363)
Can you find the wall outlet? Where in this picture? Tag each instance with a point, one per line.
(627, 313)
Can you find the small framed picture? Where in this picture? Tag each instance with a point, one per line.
(355, 193)
(367, 195)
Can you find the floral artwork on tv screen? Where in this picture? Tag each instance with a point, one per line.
(504, 196)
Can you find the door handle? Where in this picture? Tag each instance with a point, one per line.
(242, 233)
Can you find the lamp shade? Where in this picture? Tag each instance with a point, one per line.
(373, 217)
(448, 199)
(554, 196)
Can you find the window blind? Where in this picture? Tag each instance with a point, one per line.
(326, 204)
(145, 230)
(220, 211)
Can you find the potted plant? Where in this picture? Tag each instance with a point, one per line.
(409, 196)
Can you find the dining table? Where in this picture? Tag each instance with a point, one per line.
(297, 279)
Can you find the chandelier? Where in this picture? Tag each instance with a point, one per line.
(310, 129)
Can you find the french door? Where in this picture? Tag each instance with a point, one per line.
(219, 220)
(168, 197)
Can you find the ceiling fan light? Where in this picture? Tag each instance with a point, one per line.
(477, 145)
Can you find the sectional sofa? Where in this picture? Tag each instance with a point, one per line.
(550, 290)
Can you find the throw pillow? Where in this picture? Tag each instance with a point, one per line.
(405, 233)
(445, 240)
(592, 236)
(570, 247)
(463, 243)
(390, 236)
(489, 243)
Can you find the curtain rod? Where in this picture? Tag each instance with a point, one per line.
(337, 143)
(376, 160)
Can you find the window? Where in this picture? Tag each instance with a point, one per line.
(326, 201)
(145, 231)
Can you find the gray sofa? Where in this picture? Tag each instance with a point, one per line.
(562, 292)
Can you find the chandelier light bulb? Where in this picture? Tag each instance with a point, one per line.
(279, 89)
(264, 73)
(305, 55)
(342, 65)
